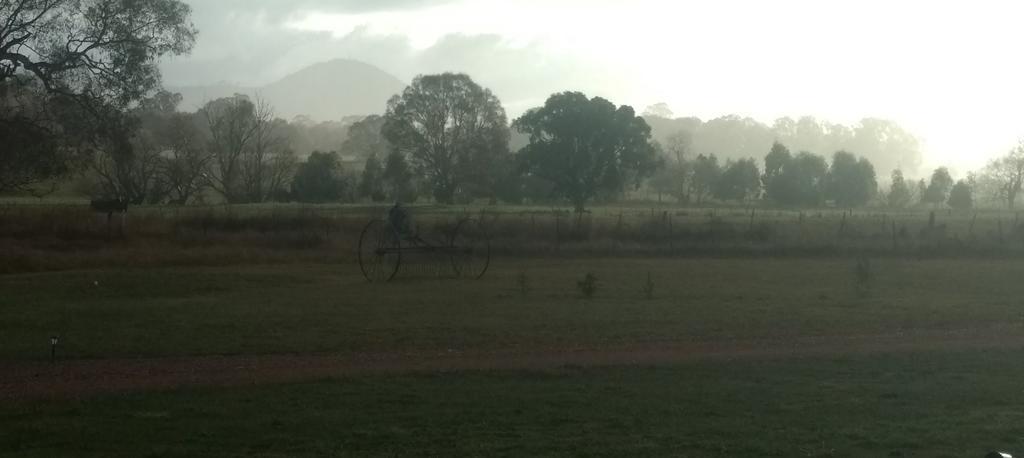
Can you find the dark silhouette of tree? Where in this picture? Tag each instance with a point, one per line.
(398, 179)
(741, 181)
(797, 180)
(961, 196)
(320, 179)
(777, 158)
(706, 172)
(938, 188)
(371, 182)
(450, 128)
(1007, 173)
(899, 195)
(586, 147)
(30, 152)
(851, 180)
(77, 62)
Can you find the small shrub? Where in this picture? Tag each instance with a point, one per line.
(587, 286)
(648, 287)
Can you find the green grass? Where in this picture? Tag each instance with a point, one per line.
(953, 404)
(324, 308)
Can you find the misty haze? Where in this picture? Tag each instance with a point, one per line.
(533, 228)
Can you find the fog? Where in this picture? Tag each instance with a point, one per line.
(944, 71)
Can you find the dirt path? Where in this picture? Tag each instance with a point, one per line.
(73, 379)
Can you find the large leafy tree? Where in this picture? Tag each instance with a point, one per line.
(451, 129)
(796, 180)
(851, 180)
(741, 180)
(75, 66)
(586, 147)
(319, 179)
(961, 196)
(937, 191)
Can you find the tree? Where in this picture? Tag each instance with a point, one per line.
(140, 157)
(706, 172)
(796, 180)
(851, 180)
(664, 181)
(76, 59)
(365, 139)
(586, 147)
(938, 188)
(451, 129)
(899, 195)
(1007, 173)
(230, 124)
(740, 181)
(398, 179)
(778, 157)
(677, 173)
(267, 162)
(371, 182)
(31, 153)
(96, 51)
(660, 109)
(961, 196)
(319, 179)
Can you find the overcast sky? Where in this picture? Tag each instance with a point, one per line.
(950, 71)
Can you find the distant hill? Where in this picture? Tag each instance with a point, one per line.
(326, 91)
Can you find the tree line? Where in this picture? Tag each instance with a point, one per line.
(86, 101)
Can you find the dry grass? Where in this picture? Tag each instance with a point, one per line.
(60, 237)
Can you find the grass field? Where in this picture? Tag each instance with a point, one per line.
(254, 334)
(322, 308)
(952, 404)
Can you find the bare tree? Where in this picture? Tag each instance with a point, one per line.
(183, 165)
(231, 127)
(1007, 173)
(267, 163)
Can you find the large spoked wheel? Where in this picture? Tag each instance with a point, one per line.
(470, 249)
(380, 251)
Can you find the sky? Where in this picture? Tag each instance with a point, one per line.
(948, 71)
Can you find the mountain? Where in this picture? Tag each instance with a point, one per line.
(326, 91)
